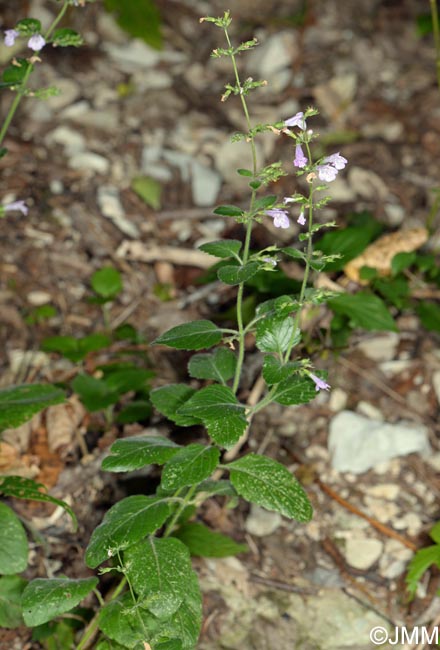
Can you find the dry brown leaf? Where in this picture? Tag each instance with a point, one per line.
(62, 422)
(12, 464)
(380, 253)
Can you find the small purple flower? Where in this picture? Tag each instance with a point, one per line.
(10, 36)
(301, 219)
(280, 218)
(297, 120)
(320, 384)
(336, 160)
(36, 42)
(327, 173)
(300, 159)
(16, 205)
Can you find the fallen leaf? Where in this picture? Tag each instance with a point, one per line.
(62, 422)
(380, 253)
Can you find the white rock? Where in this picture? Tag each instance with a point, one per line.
(357, 444)
(410, 522)
(69, 91)
(338, 399)
(395, 213)
(362, 552)
(70, 139)
(277, 52)
(89, 161)
(205, 184)
(380, 348)
(388, 491)
(132, 54)
(38, 298)
(111, 207)
(19, 359)
(262, 522)
(381, 510)
(436, 384)
(367, 184)
(390, 368)
(231, 156)
(370, 411)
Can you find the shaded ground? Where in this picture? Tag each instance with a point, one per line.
(127, 111)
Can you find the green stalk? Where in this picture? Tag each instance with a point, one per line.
(20, 93)
(241, 332)
(185, 501)
(92, 628)
(436, 29)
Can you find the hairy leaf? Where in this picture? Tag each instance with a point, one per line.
(169, 399)
(192, 336)
(19, 403)
(135, 452)
(13, 542)
(191, 465)
(365, 310)
(220, 365)
(269, 484)
(11, 589)
(203, 542)
(223, 248)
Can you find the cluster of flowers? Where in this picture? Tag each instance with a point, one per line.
(35, 43)
(327, 171)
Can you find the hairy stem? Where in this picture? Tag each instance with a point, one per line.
(436, 29)
(20, 93)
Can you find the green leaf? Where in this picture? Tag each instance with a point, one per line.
(223, 248)
(140, 19)
(269, 484)
(127, 522)
(349, 242)
(294, 253)
(229, 211)
(76, 349)
(429, 314)
(365, 310)
(434, 533)
(94, 393)
(189, 466)
(274, 371)
(149, 190)
(245, 172)
(13, 542)
(45, 599)
(28, 26)
(159, 571)
(26, 488)
(67, 38)
(264, 203)
(192, 336)
(221, 488)
(233, 275)
(402, 261)
(107, 282)
(123, 380)
(136, 411)
(11, 589)
(203, 542)
(169, 399)
(274, 334)
(13, 75)
(219, 366)
(420, 562)
(19, 403)
(294, 390)
(135, 452)
(221, 412)
(128, 625)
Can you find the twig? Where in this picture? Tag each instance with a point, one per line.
(140, 252)
(282, 586)
(385, 530)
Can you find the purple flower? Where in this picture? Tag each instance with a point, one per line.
(10, 36)
(297, 120)
(336, 160)
(300, 159)
(301, 219)
(280, 218)
(320, 384)
(16, 205)
(36, 42)
(327, 173)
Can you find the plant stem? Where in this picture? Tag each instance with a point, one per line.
(241, 333)
(92, 628)
(436, 29)
(185, 501)
(23, 85)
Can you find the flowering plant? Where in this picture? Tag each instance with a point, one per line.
(146, 541)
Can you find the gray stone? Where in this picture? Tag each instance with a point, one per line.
(358, 444)
(380, 348)
(262, 522)
(205, 184)
(89, 161)
(69, 91)
(111, 207)
(362, 552)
